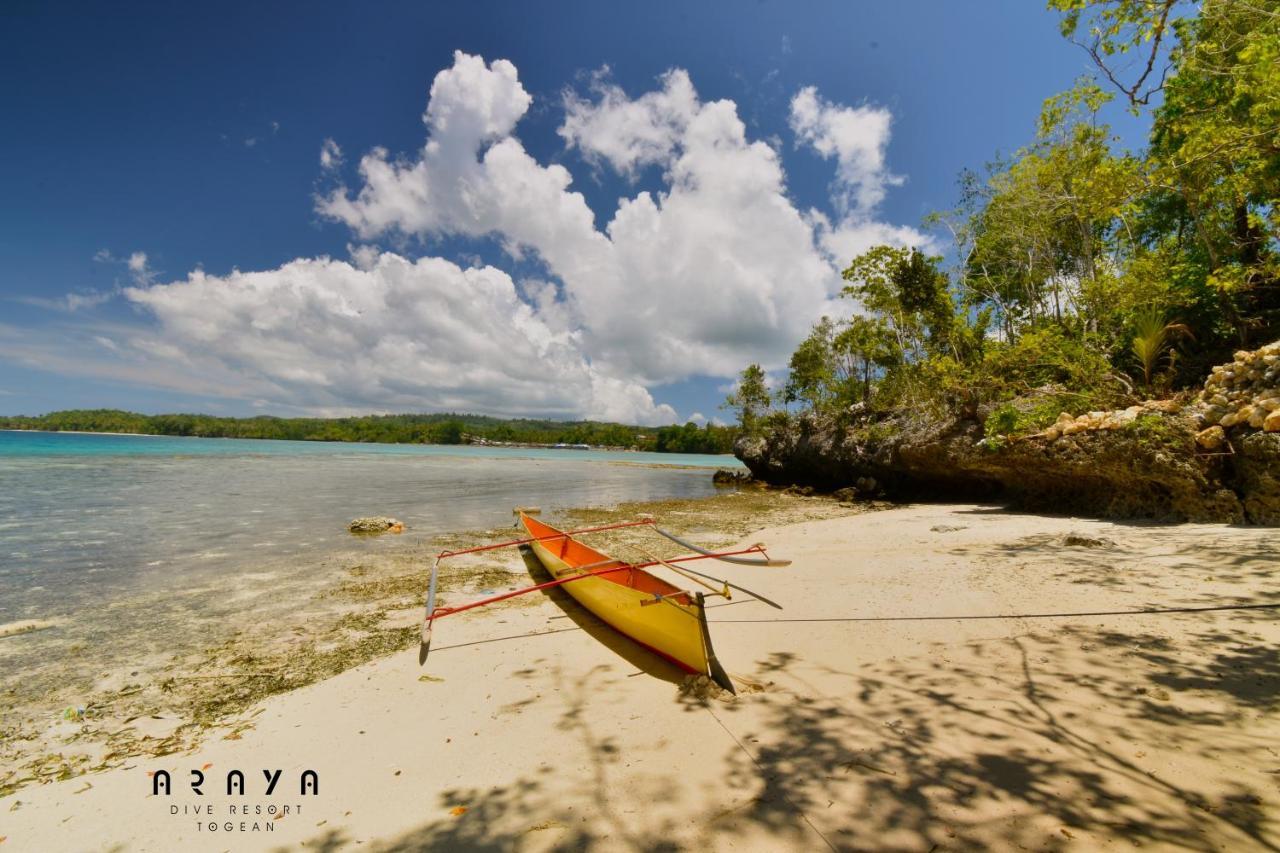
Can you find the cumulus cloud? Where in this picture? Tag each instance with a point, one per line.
(717, 270)
(856, 138)
(628, 133)
(396, 334)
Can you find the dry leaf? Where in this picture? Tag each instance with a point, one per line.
(458, 810)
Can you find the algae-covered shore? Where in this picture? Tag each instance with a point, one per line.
(77, 717)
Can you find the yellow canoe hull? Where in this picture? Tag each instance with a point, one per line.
(637, 604)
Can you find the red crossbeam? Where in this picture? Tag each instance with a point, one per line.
(446, 611)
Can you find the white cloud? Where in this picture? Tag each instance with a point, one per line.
(718, 270)
(321, 334)
(139, 269)
(627, 133)
(857, 138)
(330, 155)
(86, 299)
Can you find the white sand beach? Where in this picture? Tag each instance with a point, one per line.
(936, 728)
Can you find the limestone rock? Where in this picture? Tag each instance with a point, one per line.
(376, 524)
(1211, 438)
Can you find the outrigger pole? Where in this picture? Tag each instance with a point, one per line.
(434, 612)
(767, 561)
(435, 567)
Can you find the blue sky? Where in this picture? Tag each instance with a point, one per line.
(192, 135)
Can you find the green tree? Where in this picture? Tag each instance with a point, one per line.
(1214, 165)
(811, 371)
(863, 348)
(750, 399)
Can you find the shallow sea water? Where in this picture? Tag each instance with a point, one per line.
(123, 540)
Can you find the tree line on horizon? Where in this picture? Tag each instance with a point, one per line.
(396, 429)
(1085, 273)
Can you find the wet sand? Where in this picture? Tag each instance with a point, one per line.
(888, 711)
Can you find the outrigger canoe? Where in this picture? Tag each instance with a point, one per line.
(647, 609)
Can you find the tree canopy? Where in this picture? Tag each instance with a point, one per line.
(1102, 272)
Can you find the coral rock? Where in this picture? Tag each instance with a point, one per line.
(1211, 438)
(376, 524)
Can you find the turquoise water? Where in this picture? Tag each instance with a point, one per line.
(137, 547)
(89, 518)
(22, 443)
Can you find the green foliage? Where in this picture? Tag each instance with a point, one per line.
(1152, 341)
(863, 349)
(397, 429)
(811, 372)
(908, 294)
(1030, 417)
(750, 399)
(691, 438)
(1156, 433)
(1072, 255)
(1048, 355)
(1003, 421)
(1208, 204)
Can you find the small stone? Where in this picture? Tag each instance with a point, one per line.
(1052, 433)
(1272, 422)
(1211, 438)
(1228, 420)
(1258, 417)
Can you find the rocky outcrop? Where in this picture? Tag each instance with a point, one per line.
(1246, 392)
(1203, 461)
(1257, 464)
(376, 524)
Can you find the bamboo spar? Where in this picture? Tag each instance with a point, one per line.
(437, 613)
(433, 612)
(767, 561)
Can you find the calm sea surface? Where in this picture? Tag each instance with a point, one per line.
(89, 519)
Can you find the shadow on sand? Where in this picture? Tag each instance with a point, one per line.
(1040, 737)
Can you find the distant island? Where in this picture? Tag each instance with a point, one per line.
(394, 429)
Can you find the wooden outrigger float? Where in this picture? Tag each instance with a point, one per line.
(645, 608)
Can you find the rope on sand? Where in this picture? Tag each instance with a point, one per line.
(1080, 613)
